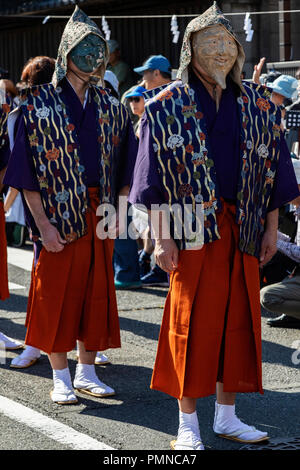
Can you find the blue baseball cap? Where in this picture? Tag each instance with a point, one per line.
(137, 91)
(155, 62)
(285, 85)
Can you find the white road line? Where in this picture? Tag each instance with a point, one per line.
(49, 427)
(20, 258)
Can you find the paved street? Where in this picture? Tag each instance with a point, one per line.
(137, 417)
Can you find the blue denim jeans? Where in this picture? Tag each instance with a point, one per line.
(126, 259)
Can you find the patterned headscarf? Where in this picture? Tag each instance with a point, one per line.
(78, 27)
(211, 17)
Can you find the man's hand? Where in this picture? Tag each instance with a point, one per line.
(51, 238)
(269, 240)
(166, 254)
(268, 247)
(257, 71)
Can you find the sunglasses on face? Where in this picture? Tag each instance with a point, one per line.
(136, 99)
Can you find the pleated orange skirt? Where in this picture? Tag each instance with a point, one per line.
(4, 293)
(72, 295)
(211, 328)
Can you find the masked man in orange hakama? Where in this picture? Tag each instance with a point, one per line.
(210, 141)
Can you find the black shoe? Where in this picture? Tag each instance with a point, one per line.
(156, 277)
(284, 321)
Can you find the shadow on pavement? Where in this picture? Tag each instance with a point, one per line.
(140, 328)
(15, 303)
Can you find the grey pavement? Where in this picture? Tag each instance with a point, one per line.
(137, 417)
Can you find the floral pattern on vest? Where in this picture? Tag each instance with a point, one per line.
(186, 166)
(56, 154)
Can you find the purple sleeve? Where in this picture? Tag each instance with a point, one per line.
(285, 187)
(146, 186)
(20, 173)
(128, 156)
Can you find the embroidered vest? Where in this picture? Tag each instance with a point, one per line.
(185, 163)
(56, 154)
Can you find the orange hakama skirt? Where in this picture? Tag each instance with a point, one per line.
(211, 327)
(4, 292)
(72, 295)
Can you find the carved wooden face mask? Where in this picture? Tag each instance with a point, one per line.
(89, 53)
(214, 53)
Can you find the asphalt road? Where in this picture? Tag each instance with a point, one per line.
(137, 418)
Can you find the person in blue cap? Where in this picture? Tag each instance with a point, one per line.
(284, 87)
(137, 105)
(156, 71)
(126, 258)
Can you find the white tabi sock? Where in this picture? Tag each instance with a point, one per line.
(188, 436)
(9, 343)
(189, 420)
(29, 355)
(62, 376)
(63, 390)
(87, 379)
(34, 352)
(226, 422)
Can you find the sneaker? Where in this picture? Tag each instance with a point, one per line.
(284, 321)
(156, 277)
(145, 263)
(19, 235)
(128, 285)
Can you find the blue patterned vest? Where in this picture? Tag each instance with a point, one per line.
(56, 154)
(186, 166)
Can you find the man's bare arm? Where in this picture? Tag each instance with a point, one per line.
(10, 198)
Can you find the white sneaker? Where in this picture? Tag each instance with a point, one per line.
(86, 381)
(101, 359)
(63, 393)
(9, 343)
(26, 359)
(229, 426)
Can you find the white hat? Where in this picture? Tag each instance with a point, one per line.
(285, 85)
(110, 77)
